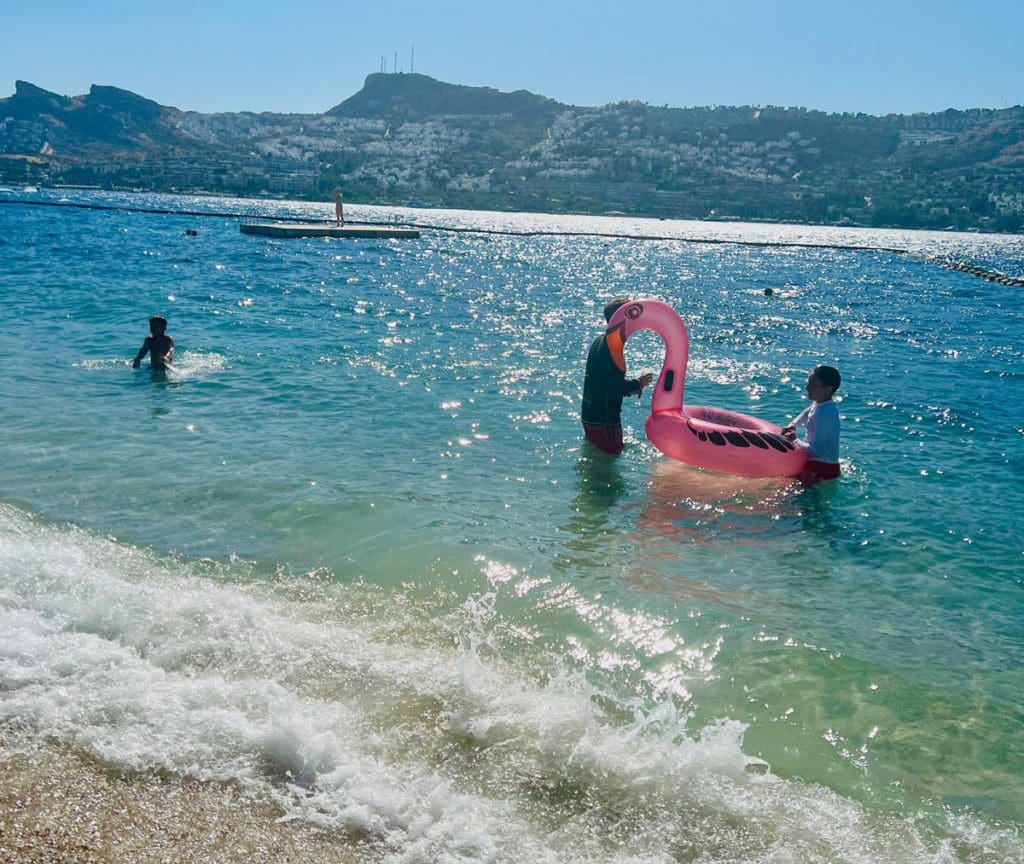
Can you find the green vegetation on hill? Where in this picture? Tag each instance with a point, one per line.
(407, 137)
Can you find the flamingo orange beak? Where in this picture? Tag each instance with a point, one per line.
(615, 339)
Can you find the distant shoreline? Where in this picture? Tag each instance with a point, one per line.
(411, 140)
(712, 220)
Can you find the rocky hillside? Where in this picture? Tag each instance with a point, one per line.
(412, 98)
(105, 118)
(406, 137)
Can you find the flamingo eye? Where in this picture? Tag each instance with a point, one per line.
(634, 311)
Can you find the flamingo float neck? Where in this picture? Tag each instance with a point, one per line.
(665, 321)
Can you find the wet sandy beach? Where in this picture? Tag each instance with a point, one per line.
(58, 806)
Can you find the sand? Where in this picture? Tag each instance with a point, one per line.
(60, 806)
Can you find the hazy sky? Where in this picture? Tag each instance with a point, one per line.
(308, 55)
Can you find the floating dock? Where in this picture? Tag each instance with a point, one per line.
(321, 229)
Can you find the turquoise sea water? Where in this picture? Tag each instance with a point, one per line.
(351, 554)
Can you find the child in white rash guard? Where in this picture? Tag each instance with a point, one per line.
(821, 420)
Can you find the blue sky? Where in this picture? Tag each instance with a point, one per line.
(308, 55)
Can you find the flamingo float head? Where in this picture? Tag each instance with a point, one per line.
(663, 320)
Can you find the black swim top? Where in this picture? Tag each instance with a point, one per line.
(604, 386)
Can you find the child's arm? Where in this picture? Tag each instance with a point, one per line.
(635, 386)
(143, 351)
(789, 432)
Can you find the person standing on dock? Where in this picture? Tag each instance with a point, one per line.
(339, 208)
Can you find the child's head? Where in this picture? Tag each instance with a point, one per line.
(157, 325)
(612, 306)
(823, 382)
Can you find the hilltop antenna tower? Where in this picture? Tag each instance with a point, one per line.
(383, 64)
(412, 59)
(394, 68)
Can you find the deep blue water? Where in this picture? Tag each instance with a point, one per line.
(354, 534)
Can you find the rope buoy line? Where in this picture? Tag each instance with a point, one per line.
(710, 241)
(949, 264)
(980, 272)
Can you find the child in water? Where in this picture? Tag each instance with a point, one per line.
(158, 345)
(821, 420)
(604, 386)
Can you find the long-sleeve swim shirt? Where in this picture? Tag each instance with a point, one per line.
(604, 386)
(821, 441)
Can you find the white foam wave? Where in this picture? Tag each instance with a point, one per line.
(187, 364)
(197, 364)
(96, 364)
(351, 710)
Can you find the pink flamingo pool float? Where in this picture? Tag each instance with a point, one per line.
(711, 438)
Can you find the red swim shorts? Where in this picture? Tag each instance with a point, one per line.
(815, 472)
(606, 437)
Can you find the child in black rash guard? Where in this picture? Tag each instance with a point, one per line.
(604, 387)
